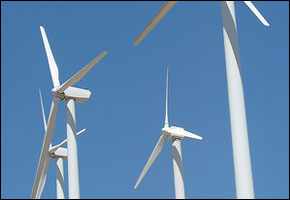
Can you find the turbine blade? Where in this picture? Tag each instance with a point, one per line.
(161, 13)
(256, 12)
(184, 133)
(43, 178)
(39, 179)
(81, 131)
(78, 76)
(51, 62)
(166, 109)
(190, 135)
(43, 115)
(54, 148)
(151, 159)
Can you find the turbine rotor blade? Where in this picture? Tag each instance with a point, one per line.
(78, 76)
(51, 62)
(43, 114)
(39, 180)
(151, 159)
(166, 109)
(161, 13)
(190, 135)
(43, 178)
(257, 13)
(181, 132)
(54, 148)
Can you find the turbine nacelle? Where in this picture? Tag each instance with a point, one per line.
(80, 95)
(171, 133)
(60, 152)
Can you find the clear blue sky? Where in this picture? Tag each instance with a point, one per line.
(125, 114)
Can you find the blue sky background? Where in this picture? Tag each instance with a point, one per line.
(125, 114)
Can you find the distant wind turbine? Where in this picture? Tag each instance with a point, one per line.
(71, 95)
(175, 134)
(239, 131)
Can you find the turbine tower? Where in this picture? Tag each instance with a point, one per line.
(240, 143)
(59, 154)
(71, 95)
(175, 134)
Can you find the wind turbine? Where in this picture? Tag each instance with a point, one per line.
(240, 142)
(175, 134)
(71, 95)
(59, 154)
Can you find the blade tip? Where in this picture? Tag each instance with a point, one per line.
(136, 42)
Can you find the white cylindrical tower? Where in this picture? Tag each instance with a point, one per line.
(240, 143)
(59, 178)
(177, 169)
(72, 151)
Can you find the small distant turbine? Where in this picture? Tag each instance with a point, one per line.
(239, 131)
(175, 134)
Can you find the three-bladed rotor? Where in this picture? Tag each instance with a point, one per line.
(60, 90)
(171, 132)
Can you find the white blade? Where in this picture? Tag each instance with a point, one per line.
(43, 178)
(78, 76)
(43, 115)
(190, 135)
(166, 109)
(184, 133)
(47, 159)
(51, 62)
(161, 13)
(151, 159)
(257, 13)
(54, 148)
(42, 163)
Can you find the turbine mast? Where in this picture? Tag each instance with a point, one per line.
(238, 119)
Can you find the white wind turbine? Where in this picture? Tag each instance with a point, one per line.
(70, 95)
(175, 134)
(59, 154)
(240, 142)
